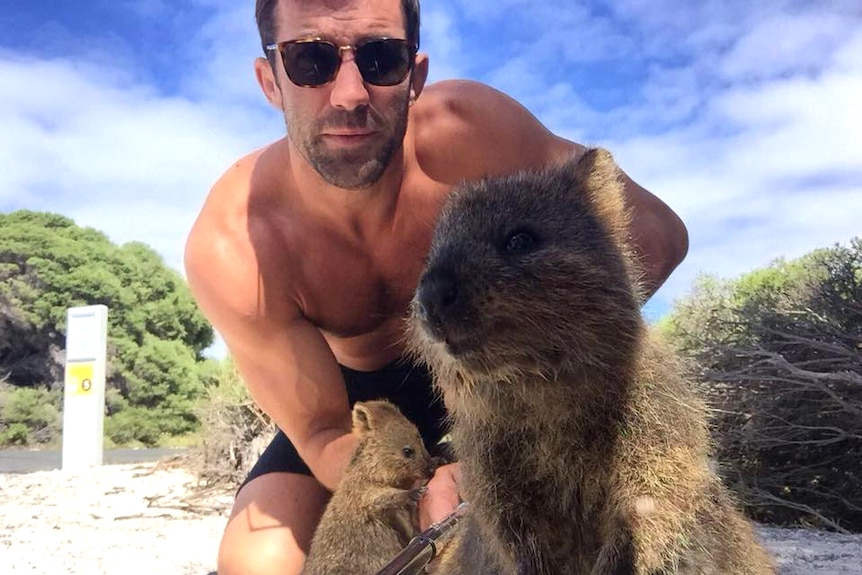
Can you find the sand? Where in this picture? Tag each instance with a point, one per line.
(150, 518)
(113, 519)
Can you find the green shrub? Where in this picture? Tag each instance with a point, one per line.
(14, 434)
(36, 411)
(134, 425)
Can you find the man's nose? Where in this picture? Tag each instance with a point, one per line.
(348, 90)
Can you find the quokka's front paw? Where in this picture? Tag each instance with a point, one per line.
(417, 493)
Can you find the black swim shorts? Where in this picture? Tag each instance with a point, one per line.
(406, 385)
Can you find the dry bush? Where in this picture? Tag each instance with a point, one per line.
(235, 431)
(781, 351)
(788, 418)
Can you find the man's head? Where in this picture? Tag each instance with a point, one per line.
(348, 126)
(264, 14)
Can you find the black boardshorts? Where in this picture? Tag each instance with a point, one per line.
(406, 385)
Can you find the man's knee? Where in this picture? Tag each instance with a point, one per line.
(269, 555)
(271, 525)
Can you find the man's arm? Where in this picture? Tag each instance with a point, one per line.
(284, 361)
(492, 134)
(659, 236)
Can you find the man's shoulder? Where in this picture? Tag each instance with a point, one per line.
(475, 127)
(238, 176)
(237, 195)
(458, 102)
(228, 243)
(462, 90)
(222, 214)
(218, 254)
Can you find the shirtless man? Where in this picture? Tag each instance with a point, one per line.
(307, 252)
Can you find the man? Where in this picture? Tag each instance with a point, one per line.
(307, 252)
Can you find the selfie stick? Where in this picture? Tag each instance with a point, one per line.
(422, 549)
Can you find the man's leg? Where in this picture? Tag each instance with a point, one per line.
(271, 525)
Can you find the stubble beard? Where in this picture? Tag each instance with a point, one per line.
(355, 168)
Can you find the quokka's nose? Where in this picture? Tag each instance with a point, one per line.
(437, 297)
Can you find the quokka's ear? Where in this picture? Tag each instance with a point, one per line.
(598, 176)
(372, 415)
(363, 418)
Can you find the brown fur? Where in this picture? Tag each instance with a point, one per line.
(372, 514)
(583, 448)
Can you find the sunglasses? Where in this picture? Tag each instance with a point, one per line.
(315, 62)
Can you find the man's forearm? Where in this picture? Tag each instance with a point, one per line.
(659, 236)
(327, 454)
(661, 247)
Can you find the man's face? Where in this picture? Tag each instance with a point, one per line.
(348, 130)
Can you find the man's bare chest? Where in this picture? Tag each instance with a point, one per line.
(349, 290)
(355, 297)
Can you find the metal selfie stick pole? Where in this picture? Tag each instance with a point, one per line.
(422, 548)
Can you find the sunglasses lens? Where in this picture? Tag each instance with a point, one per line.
(310, 63)
(383, 62)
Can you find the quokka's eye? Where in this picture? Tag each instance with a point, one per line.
(520, 241)
(408, 452)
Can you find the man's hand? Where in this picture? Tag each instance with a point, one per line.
(441, 497)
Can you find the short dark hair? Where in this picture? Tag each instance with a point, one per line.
(264, 13)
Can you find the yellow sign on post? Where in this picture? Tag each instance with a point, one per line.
(79, 378)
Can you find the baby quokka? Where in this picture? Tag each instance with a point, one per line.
(373, 513)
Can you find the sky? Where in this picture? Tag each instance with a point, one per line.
(744, 117)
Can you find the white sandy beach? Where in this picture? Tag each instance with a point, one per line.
(147, 519)
(112, 519)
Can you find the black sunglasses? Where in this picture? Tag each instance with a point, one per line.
(314, 62)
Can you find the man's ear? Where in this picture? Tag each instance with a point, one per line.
(420, 74)
(268, 82)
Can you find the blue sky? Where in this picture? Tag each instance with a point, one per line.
(745, 117)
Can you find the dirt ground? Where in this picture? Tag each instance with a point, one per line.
(150, 519)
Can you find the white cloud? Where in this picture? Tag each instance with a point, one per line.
(770, 169)
(797, 128)
(747, 124)
(441, 40)
(223, 50)
(84, 142)
(786, 43)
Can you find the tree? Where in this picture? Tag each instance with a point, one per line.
(781, 351)
(156, 333)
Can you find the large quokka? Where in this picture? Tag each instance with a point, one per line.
(583, 448)
(372, 514)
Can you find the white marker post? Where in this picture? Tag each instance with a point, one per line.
(84, 397)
